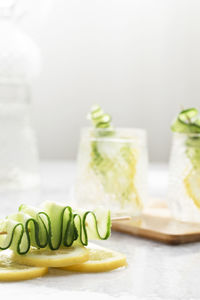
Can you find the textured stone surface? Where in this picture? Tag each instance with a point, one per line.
(154, 271)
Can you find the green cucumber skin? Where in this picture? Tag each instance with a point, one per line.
(188, 122)
(73, 228)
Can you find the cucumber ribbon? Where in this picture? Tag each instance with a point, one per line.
(188, 122)
(99, 118)
(53, 227)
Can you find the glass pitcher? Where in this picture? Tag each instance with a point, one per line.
(19, 62)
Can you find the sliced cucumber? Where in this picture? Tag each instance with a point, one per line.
(52, 227)
(99, 118)
(187, 121)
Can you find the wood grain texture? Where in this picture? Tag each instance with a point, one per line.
(156, 224)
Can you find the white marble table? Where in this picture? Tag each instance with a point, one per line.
(155, 271)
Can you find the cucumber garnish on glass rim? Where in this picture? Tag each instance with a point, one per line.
(188, 122)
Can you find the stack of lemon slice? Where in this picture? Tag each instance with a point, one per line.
(54, 236)
(35, 263)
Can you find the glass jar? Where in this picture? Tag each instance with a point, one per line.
(112, 170)
(19, 161)
(184, 177)
(19, 64)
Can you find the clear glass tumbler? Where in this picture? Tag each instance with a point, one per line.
(184, 177)
(112, 170)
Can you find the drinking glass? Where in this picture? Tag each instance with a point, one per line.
(112, 170)
(184, 177)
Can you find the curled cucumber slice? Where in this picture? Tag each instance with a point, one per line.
(99, 118)
(187, 121)
(54, 226)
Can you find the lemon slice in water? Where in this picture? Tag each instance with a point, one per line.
(54, 258)
(100, 260)
(192, 186)
(12, 271)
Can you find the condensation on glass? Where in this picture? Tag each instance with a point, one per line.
(112, 170)
(184, 177)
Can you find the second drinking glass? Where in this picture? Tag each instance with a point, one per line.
(184, 168)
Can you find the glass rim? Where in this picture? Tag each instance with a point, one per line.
(133, 129)
(191, 134)
(140, 134)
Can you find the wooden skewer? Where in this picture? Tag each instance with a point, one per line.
(123, 218)
(115, 219)
(3, 232)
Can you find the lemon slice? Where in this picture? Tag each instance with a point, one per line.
(12, 271)
(54, 258)
(192, 186)
(100, 260)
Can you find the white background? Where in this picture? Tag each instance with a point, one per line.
(139, 59)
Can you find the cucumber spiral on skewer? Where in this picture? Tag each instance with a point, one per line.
(53, 227)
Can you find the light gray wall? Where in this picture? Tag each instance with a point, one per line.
(139, 59)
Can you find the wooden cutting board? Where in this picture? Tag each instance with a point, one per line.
(156, 224)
